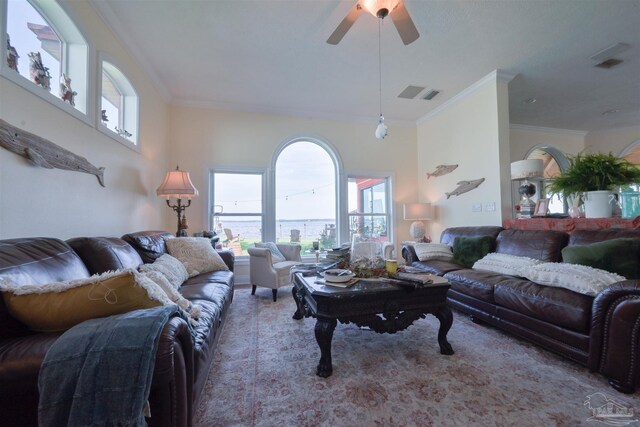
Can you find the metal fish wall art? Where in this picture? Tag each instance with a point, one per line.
(464, 186)
(44, 153)
(442, 170)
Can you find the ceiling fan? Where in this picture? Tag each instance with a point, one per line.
(379, 8)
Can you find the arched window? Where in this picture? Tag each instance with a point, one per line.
(306, 177)
(46, 54)
(554, 161)
(118, 106)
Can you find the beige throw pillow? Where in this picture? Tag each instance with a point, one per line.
(193, 311)
(170, 267)
(196, 253)
(506, 264)
(427, 251)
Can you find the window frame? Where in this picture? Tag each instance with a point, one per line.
(76, 60)
(129, 101)
(388, 179)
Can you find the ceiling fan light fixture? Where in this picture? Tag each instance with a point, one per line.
(377, 7)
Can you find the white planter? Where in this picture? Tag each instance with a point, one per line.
(597, 204)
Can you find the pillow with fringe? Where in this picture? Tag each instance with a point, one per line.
(192, 311)
(55, 307)
(506, 264)
(170, 267)
(427, 251)
(578, 278)
(196, 253)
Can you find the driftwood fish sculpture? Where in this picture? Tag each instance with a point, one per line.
(442, 170)
(464, 186)
(44, 153)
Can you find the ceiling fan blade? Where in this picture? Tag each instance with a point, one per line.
(346, 23)
(405, 26)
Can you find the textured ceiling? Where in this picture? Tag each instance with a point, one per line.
(271, 55)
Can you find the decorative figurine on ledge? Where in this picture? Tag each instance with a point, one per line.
(123, 132)
(103, 116)
(38, 72)
(66, 93)
(12, 55)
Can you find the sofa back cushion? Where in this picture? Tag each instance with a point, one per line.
(585, 237)
(545, 245)
(620, 256)
(449, 234)
(101, 254)
(35, 260)
(149, 244)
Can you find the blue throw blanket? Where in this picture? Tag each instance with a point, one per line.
(99, 372)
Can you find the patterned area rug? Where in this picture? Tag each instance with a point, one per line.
(264, 375)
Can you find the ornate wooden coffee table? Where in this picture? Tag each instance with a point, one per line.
(363, 303)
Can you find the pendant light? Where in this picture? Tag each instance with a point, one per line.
(381, 130)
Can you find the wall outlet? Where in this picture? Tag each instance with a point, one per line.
(477, 207)
(490, 207)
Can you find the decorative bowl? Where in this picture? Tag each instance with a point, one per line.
(338, 275)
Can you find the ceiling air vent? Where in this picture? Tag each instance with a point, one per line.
(411, 92)
(605, 57)
(609, 63)
(430, 95)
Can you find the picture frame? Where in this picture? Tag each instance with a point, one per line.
(542, 206)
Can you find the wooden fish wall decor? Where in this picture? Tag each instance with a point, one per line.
(442, 170)
(44, 153)
(464, 186)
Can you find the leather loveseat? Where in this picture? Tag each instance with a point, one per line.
(182, 363)
(601, 332)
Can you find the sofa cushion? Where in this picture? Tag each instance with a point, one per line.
(505, 264)
(557, 306)
(170, 267)
(475, 283)
(449, 234)
(197, 254)
(150, 245)
(578, 278)
(544, 245)
(192, 311)
(468, 250)
(620, 256)
(102, 254)
(437, 266)
(58, 306)
(428, 251)
(585, 237)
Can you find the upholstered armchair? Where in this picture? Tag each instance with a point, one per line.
(272, 271)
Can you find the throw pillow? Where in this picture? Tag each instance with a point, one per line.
(578, 278)
(197, 254)
(55, 307)
(276, 255)
(193, 311)
(427, 251)
(620, 256)
(468, 250)
(506, 264)
(170, 267)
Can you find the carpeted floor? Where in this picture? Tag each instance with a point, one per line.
(264, 375)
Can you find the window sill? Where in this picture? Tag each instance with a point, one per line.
(124, 141)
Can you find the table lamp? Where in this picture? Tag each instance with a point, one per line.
(418, 212)
(523, 170)
(178, 184)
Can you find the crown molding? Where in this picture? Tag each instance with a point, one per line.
(615, 130)
(497, 76)
(557, 131)
(111, 20)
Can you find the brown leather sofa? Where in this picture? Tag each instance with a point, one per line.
(182, 364)
(601, 332)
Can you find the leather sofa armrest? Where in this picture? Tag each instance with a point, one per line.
(409, 254)
(171, 396)
(615, 326)
(228, 256)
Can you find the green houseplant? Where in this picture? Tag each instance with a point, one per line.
(596, 172)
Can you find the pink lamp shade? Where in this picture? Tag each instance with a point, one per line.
(177, 184)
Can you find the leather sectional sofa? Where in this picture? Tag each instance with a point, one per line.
(601, 332)
(182, 363)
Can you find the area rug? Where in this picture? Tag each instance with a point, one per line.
(264, 375)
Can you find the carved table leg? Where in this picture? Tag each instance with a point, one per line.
(446, 320)
(299, 304)
(324, 335)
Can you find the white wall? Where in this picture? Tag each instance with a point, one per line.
(523, 138)
(613, 141)
(53, 202)
(473, 133)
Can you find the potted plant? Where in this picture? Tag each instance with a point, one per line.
(594, 177)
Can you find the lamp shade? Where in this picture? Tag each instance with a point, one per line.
(530, 168)
(417, 211)
(177, 184)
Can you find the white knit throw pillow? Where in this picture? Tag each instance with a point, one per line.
(506, 264)
(578, 278)
(170, 267)
(196, 253)
(427, 251)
